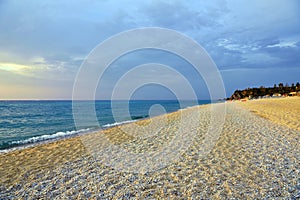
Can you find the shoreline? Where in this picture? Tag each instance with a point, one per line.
(83, 131)
(47, 141)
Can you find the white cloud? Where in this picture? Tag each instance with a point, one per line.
(285, 44)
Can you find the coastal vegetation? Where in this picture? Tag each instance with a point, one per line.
(261, 92)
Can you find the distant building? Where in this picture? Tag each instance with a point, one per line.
(276, 95)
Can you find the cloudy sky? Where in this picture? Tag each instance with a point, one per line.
(44, 43)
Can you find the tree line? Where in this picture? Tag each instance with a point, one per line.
(262, 91)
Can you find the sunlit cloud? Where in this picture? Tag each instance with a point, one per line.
(15, 68)
(39, 67)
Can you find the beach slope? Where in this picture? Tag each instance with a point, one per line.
(256, 156)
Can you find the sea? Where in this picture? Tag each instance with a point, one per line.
(26, 123)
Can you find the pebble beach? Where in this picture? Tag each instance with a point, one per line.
(255, 156)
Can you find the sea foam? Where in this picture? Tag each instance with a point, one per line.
(118, 123)
(49, 137)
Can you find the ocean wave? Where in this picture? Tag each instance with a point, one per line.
(118, 123)
(134, 119)
(48, 137)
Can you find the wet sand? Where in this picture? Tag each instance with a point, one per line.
(257, 155)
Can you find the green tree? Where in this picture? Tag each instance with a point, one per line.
(293, 87)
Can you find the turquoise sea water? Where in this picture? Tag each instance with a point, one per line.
(29, 122)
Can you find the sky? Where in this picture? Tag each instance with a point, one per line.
(44, 43)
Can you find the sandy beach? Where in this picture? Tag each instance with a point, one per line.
(256, 156)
